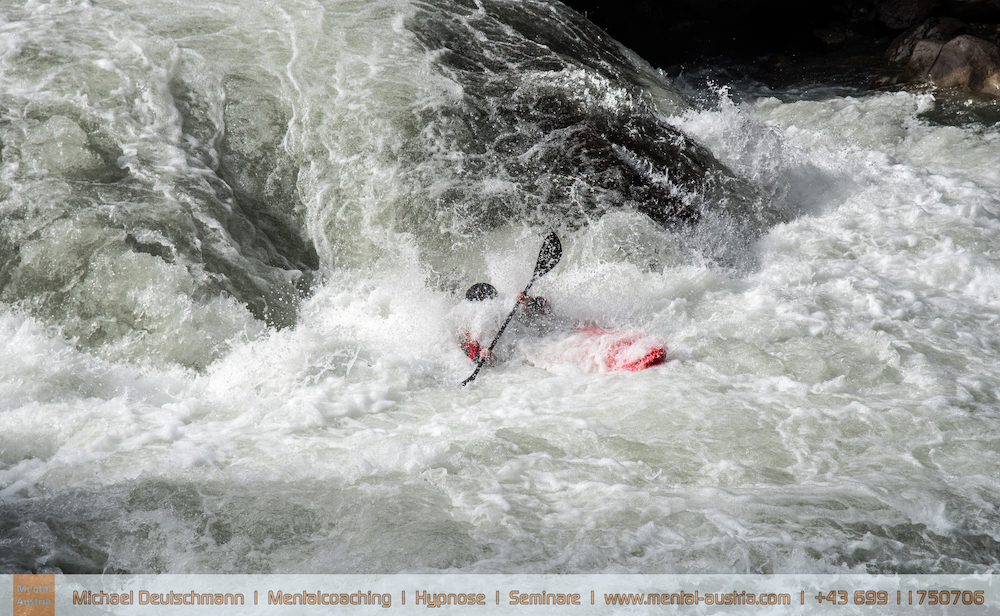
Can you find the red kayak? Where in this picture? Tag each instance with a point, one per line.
(620, 351)
(594, 349)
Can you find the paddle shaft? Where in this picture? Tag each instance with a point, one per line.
(481, 361)
(548, 256)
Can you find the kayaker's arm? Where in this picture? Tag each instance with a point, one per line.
(533, 306)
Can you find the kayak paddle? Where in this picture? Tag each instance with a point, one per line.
(548, 257)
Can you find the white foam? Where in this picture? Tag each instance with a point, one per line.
(826, 408)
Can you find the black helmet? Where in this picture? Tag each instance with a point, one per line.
(481, 291)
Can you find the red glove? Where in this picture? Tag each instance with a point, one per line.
(476, 352)
(472, 349)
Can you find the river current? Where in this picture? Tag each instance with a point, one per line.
(235, 240)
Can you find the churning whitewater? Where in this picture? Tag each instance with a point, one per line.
(235, 242)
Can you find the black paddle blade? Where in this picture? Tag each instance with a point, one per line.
(549, 255)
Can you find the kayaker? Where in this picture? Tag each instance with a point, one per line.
(528, 309)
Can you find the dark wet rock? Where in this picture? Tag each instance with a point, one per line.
(922, 59)
(555, 109)
(965, 62)
(934, 29)
(968, 62)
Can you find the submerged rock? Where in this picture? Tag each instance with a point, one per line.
(134, 246)
(262, 176)
(59, 145)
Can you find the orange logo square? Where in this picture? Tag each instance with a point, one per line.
(34, 595)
